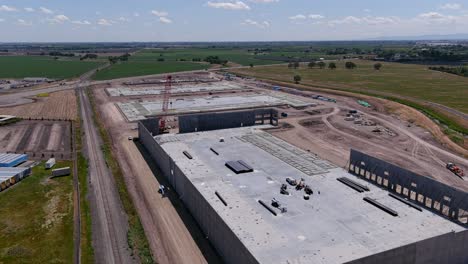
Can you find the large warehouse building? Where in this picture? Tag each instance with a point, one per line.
(260, 199)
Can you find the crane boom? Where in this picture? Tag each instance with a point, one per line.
(165, 104)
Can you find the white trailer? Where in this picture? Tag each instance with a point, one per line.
(50, 163)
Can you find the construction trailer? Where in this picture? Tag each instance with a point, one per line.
(61, 172)
(11, 176)
(50, 163)
(12, 160)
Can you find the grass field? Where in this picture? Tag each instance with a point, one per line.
(238, 56)
(145, 62)
(415, 81)
(16, 67)
(140, 68)
(42, 231)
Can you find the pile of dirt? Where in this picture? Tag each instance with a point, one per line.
(311, 122)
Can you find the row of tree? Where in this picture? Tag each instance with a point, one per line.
(332, 65)
(461, 70)
(215, 60)
(89, 56)
(115, 59)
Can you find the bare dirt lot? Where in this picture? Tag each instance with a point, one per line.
(59, 105)
(173, 236)
(331, 134)
(39, 139)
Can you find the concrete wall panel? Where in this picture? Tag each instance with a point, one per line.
(444, 200)
(215, 121)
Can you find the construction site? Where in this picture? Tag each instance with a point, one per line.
(270, 174)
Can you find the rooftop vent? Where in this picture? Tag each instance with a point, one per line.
(239, 166)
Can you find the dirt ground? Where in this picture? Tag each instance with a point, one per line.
(173, 235)
(59, 105)
(406, 144)
(39, 139)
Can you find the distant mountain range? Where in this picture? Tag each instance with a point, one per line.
(426, 37)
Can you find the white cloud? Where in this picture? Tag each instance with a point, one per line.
(431, 15)
(316, 16)
(298, 17)
(367, 10)
(159, 13)
(165, 20)
(58, 19)
(264, 1)
(23, 22)
(79, 22)
(136, 14)
(29, 9)
(124, 19)
(61, 18)
(250, 22)
(451, 6)
(45, 10)
(104, 22)
(2, 20)
(238, 5)
(8, 8)
(368, 20)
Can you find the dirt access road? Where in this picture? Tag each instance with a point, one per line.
(331, 137)
(172, 233)
(110, 224)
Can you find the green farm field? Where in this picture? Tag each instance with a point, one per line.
(145, 62)
(42, 230)
(15, 67)
(414, 81)
(141, 68)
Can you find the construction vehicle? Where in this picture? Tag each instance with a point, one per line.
(455, 169)
(275, 203)
(300, 185)
(291, 181)
(308, 190)
(306, 197)
(162, 190)
(284, 189)
(165, 105)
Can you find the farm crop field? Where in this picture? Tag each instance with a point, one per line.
(59, 105)
(42, 231)
(415, 81)
(156, 61)
(136, 67)
(15, 67)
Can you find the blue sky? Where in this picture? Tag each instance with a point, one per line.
(224, 20)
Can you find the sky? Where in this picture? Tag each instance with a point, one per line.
(225, 20)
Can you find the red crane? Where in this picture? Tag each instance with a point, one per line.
(165, 105)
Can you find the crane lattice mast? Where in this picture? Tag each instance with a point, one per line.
(165, 105)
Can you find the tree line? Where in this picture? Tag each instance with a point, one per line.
(322, 65)
(461, 70)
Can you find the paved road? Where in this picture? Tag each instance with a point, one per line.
(110, 223)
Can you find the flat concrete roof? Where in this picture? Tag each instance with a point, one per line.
(135, 110)
(179, 89)
(334, 226)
